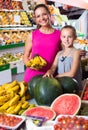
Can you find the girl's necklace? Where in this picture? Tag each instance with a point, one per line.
(64, 57)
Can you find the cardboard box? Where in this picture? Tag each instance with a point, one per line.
(84, 109)
(83, 92)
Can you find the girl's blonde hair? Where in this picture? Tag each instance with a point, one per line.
(72, 28)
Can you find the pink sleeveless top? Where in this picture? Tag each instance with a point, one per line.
(45, 45)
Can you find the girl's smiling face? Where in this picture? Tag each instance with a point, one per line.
(42, 16)
(67, 37)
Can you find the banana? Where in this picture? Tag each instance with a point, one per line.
(17, 108)
(10, 85)
(27, 95)
(1, 103)
(26, 87)
(37, 60)
(43, 62)
(28, 64)
(31, 106)
(11, 93)
(2, 92)
(14, 100)
(23, 98)
(5, 105)
(22, 89)
(15, 88)
(4, 98)
(2, 111)
(10, 110)
(25, 105)
(21, 111)
(4, 86)
(25, 84)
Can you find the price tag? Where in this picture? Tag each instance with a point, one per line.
(17, 18)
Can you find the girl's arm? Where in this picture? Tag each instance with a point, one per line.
(51, 71)
(74, 67)
(27, 48)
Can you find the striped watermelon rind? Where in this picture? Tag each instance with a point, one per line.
(41, 111)
(67, 104)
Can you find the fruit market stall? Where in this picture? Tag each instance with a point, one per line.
(43, 103)
(21, 101)
(16, 23)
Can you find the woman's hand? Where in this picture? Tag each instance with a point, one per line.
(82, 52)
(25, 60)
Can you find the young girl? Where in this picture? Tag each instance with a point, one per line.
(44, 41)
(68, 60)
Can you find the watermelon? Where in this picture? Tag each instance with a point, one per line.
(41, 111)
(47, 90)
(69, 85)
(32, 83)
(68, 104)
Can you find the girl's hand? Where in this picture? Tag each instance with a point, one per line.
(48, 74)
(57, 76)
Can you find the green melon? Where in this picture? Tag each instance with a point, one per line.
(68, 84)
(47, 90)
(32, 83)
(67, 104)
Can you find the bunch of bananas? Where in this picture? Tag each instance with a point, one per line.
(37, 63)
(13, 98)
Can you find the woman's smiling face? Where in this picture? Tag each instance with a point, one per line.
(42, 16)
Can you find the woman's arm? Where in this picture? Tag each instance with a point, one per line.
(74, 67)
(27, 48)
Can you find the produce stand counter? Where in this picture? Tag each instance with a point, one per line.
(31, 124)
(17, 67)
(47, 125)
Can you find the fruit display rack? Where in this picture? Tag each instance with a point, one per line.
(15, 25)
(14, 17)
(11, 4)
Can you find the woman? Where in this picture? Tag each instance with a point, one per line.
(44, 41)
